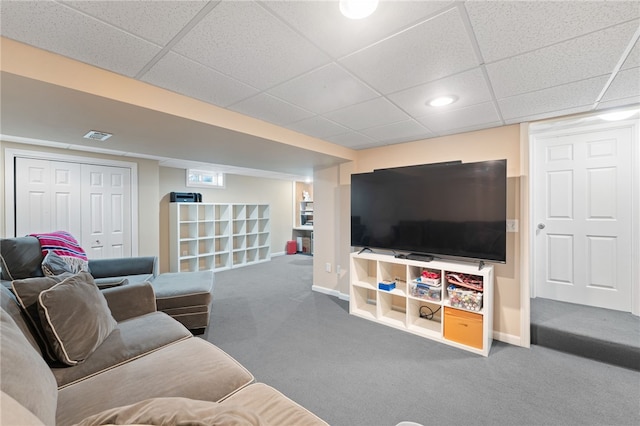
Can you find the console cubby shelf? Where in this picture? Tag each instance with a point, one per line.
(207, 236)
(428, 313)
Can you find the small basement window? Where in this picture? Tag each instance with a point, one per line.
(205, 179)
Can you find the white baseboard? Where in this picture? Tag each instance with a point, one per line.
(507, 338)
(334, 293)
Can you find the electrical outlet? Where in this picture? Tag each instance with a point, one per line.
(512, 225)
(327, 267)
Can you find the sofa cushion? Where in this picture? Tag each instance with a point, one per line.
(272, 406)
(180, 289)
(192, 368)
(53, 265)
(75, 318)
(26, 377)
(9, 303)
(175, 411)
(21, 257)
(27, 292)
(130, 340)
(14, 413)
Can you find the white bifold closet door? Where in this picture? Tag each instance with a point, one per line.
(91, 202)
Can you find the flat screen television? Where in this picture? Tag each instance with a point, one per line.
(447, 210)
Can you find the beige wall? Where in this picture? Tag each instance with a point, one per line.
(239, 189)
(148, 241)
(332, 187)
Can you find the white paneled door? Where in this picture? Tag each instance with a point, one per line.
(92, 202)
(582, 214)
(47, 196)
(106, 227)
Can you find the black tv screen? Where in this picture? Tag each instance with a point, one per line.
(452, 209)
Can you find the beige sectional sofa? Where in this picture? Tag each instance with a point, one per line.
(149, 369)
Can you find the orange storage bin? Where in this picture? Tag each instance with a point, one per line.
(463, 327)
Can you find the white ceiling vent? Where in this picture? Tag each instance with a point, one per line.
(98, 136)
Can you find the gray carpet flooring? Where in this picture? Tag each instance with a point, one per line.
(353, 372)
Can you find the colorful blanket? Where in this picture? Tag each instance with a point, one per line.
(66, 246)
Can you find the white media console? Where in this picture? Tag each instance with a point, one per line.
(459, 317)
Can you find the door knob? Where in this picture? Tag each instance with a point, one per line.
(541, 226)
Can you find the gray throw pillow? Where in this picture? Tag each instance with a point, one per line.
(27, 292)
(53, 265)
(75, 317)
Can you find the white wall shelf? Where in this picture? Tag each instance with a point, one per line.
(469, 329)
(205, 236)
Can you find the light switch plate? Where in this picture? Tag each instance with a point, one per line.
(512, 225)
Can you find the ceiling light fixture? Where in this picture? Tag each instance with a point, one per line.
(97, 136)
(618, 115)
(442, 101)
(358, 9)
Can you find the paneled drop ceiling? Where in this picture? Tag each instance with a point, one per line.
(359, 84)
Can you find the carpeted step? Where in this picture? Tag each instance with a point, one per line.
(600, 334)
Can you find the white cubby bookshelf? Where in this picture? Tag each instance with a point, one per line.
(467, 329)
(207, 236)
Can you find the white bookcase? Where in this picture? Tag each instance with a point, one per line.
(206, 236)
(443, 318)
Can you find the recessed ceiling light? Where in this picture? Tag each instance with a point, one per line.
(97, 136)
(358, 9)
(442, 101)
(618, 115)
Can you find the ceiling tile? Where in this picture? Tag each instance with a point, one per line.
(581, 94)
(323, 90)
(626, 84)
(318, 127)
(243, 40)
(431, 50)
(589, 56)
(353, 140)
(156, 21)
(374, 112)
(182, 75)
(508, 28)
(398, 132)
(472, 116)
(273, 110)
(470, 87)
(323, 24)
(69, 33)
